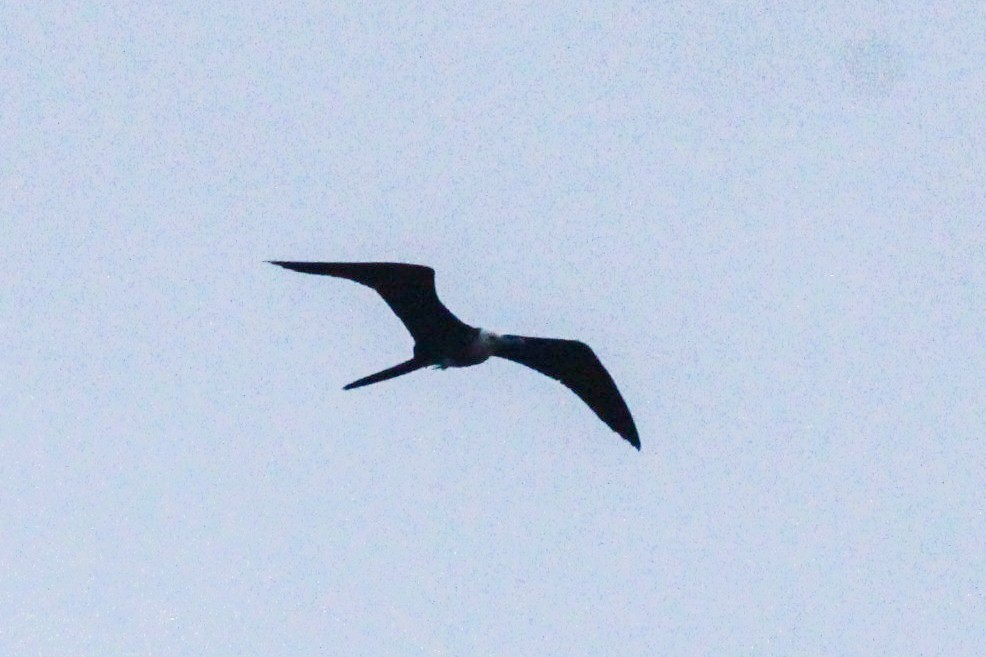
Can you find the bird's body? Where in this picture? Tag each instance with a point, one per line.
(479, 348)
(441, 339)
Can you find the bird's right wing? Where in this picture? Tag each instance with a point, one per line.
(409, 290)
(575, 365)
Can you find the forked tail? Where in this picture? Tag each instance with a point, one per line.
(389, 373)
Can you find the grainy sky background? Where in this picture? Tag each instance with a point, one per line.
(766, 218)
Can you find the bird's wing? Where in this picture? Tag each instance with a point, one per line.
(575, 365)
(409, 290)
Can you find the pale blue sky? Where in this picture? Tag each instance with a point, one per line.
(766, 218)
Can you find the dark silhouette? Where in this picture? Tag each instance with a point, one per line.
(442, 340)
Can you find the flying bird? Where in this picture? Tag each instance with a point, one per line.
(442, 340)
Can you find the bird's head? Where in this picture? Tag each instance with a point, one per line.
(498, 342)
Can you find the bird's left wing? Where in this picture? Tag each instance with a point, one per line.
(409, 290)
(575, 365)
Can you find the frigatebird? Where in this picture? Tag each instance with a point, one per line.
(442, 340)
